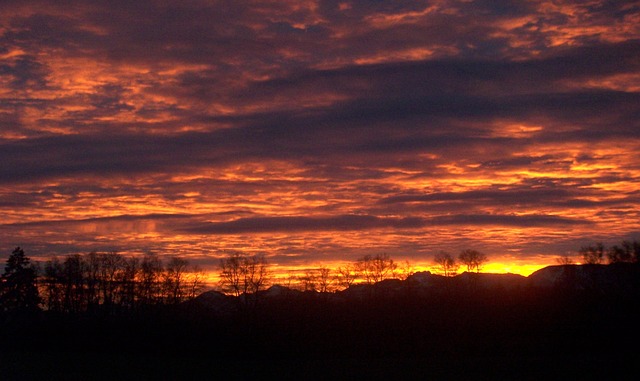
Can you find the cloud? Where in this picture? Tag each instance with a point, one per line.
(149, 123)
(294, 224)
(527, 221)
(365, 222)
(535, 196)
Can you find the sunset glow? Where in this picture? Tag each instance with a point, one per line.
(317, 132)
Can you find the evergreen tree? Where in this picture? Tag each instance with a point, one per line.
(18, 290)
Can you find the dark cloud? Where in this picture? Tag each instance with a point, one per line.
(121, 218)
(365, 222)
(452, 75)
(535, 196)
(25, 72)
(507, 220)
(293, 224)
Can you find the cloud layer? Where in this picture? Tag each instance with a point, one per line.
(307, 128)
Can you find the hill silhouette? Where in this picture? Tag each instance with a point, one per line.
(561, 322)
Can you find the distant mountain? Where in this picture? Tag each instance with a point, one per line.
(620, 277)
(480, 280)
(605, 278)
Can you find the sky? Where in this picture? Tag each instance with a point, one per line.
(318, 132)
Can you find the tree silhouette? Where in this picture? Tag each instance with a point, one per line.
(19, 291)
(473, 259)
(564, 260)
(117, 284)
(324, 279)
(309, 280)
(53, 285)
(592, 254)
(376, 268)
(406, 270)
(232, 274)
(149, 285)
(175, 279)
(626, 252)
(73, 283)
(241, 274)
(447, 263)
(346, 275)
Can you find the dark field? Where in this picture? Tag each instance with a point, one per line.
(392, 330)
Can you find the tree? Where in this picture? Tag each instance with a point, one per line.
(473, 259)
(592, 254)
(376, 268)
(242, 274)
(128, 282)
(564, 260)
(257, 274)
(324, 280)
(406, 270)
(117, 284)
(309, 280)
(635, 249)
(53, 285)
(318, 279)
(447, 263)
(19, 291)
(92, 279)
(73, 284)
(174, 279)
(195, 282)
(149, 279)
(111, 268)
(346, 275)
(623, 253)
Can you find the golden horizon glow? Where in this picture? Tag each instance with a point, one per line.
(293, 276)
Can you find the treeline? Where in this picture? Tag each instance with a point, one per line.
(106, 283)
(113, 283)
(244, 274)
(597, 253)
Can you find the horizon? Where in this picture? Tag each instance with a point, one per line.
(318, 132)
(293, 276)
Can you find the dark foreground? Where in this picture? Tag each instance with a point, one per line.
(449, 333)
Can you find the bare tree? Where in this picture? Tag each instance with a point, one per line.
(232, 277)
(128, 282)
(174, 279)
(473, 259)
(376, 268)
(406, 270)
(347, 275)
(149, 283)
(447, 263)
(53, 285)
(73, 283)
(110, 268)
(92, 279)
(257, 274)
(635, 250)
(195, 282)
(317, 279)
(593, 254)
(324, 279)
(564, 260)
(308, 280)
(623, 253)
(243, 274)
